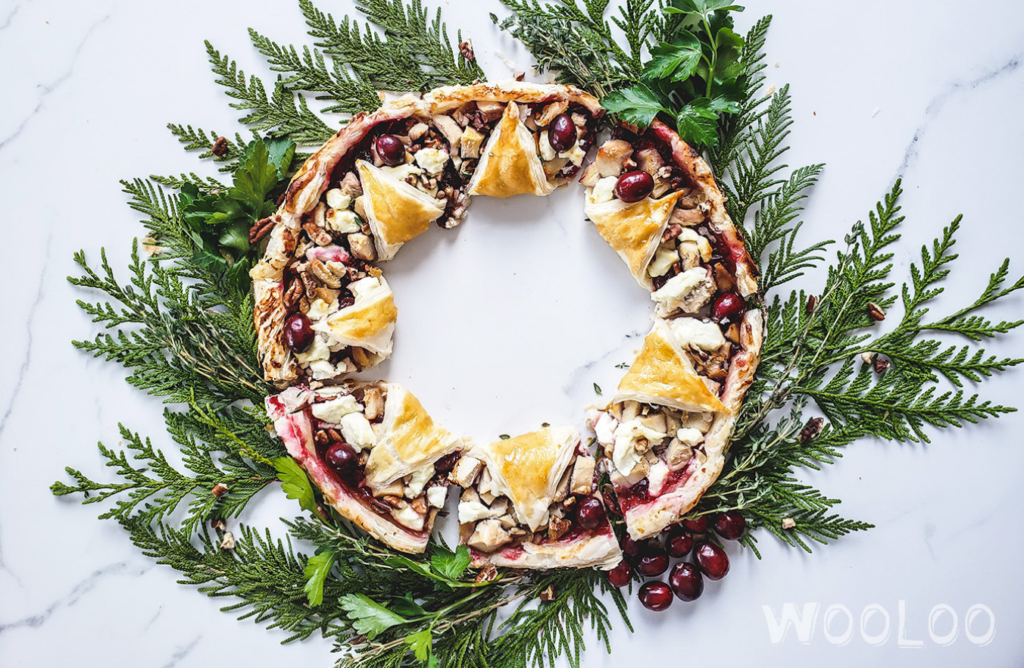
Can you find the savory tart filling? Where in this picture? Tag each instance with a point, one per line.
(664, 435)
(512, 138)
(530, 502)
(658, 216)
(374, 452)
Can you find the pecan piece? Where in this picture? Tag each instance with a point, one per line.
(294, 292)
(671, 233)
(881, 365)
(319, 235)
(558, 527)
(812, 303)
(360, 358)
(812, 429)
(373, 399)
(486, 574)
(220, 147)
(875, 312)
(219, 490)
(324, 274)
(260, 229)
(419, 505)
(548, 594)
(466, 49)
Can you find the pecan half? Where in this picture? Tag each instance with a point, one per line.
(318, 234)
(220, 147)
(293, 294)
(320, 270)
(260, 229)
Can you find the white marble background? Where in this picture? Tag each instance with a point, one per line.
(922, 90)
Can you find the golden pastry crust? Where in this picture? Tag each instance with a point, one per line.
(410, 440)
(395, 210)
(699, 172)
(510, 164)
(369, 324)
(527, 468)
(662, 374)
(633, 230)
(448, 98)
(599, 551)
(647, 520)
(301, 197)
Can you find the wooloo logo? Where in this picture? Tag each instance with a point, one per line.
(874, 624)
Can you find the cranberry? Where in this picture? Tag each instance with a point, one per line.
(447, 463)
(590, 513)
(679, 543)
(655, 596)
(730, 525)
(634, 186)
(686, 581)
(562, 134)
(621, 574)
(390, 149)
(342, 458)
(699, 525)
(298, 334)
(345, 302)
(653, 561)
(712, 560)
(630, 548)
(728, 306)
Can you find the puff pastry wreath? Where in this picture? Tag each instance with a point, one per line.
(324, 311)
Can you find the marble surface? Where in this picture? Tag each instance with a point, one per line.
(918, 90)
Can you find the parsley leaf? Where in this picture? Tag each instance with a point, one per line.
(675, 61)
(702, 8)
(697, 122)
(368, 617)
(450, 564)
(597, 388)
(294, 483)
(407, 607)
(637, 105)
(317, 569)
(420, 644)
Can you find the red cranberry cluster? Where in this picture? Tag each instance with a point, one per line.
(650, 559)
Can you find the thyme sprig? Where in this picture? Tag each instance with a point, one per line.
(185, 338)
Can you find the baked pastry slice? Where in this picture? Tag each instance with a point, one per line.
(521, 500)
(503, 136)
(666, 432)
(373, 451)
(678, 240)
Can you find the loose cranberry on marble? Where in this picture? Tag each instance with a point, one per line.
(634, 186)
(390, 149)
(730, 525)
(679, 542)
(298, 334)
(712, 560)
(699, 525)
(621, 574)
(653, 561)
(342, 458)
(590, 513)
(630, 548)
(562, 134)
(686, 581)
(655, 596)
(728, 306)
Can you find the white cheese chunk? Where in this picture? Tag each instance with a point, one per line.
(409, 518)
(680, 285)
(322, 369)
(656, 478)
(663, 260)
(547, 152)
(317, 351)
(625, 455)
(342, 221)
(703, 245)
(605, 429)
(696, 333)
(474, 511)
(436, 496)
(357, 431)
(432, 159)
(418, 480)
(365, 289)
(319, 308)
(338, 200)
(689, 436)
(332, 411)
(575, 155)
(604, 191)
